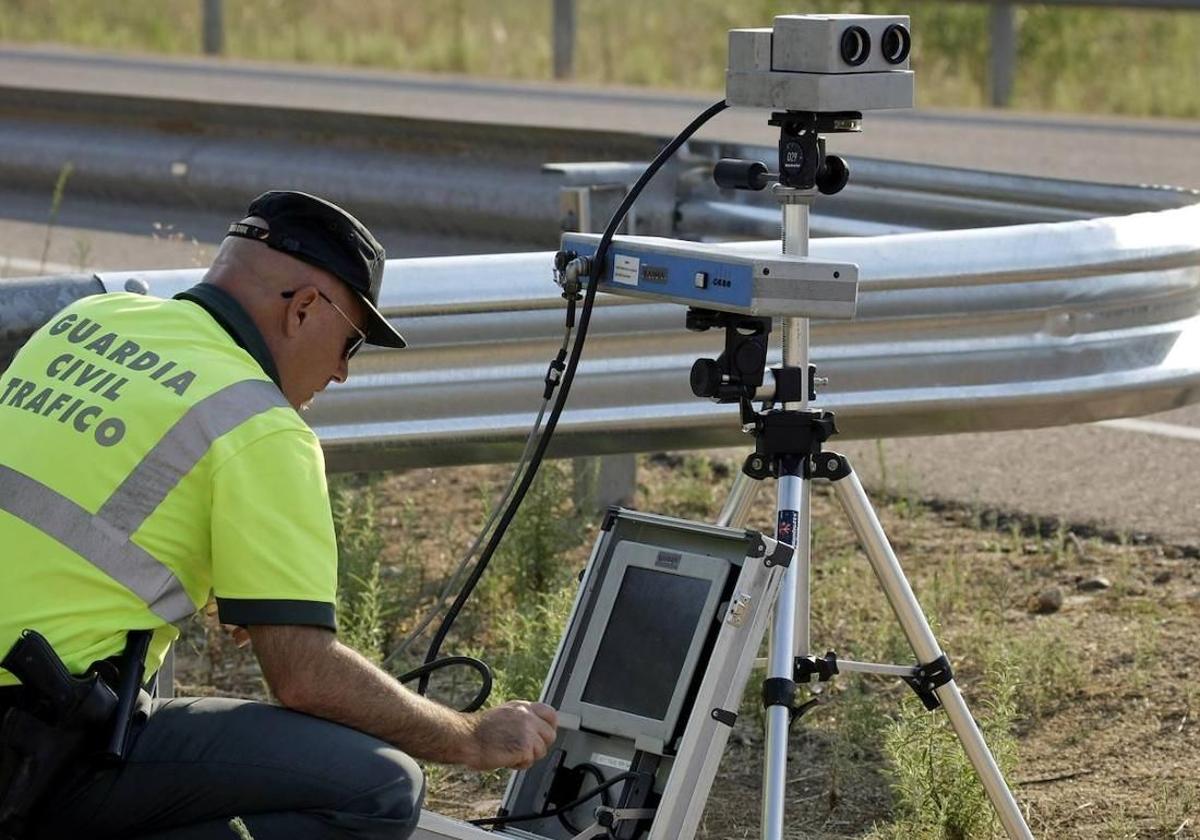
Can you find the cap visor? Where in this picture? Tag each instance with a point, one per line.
(379, 330)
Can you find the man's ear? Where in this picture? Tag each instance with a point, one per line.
(299, 308)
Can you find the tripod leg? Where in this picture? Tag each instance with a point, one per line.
(740, 502)
(854, 501)
(792, 510)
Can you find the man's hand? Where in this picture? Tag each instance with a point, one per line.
(514, 735)
(310, 671)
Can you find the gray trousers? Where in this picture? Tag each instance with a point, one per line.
(197, 763)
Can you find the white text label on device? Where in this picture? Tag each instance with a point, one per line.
(625, 270)
(610, 761)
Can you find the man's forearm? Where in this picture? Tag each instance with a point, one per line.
(341, 685)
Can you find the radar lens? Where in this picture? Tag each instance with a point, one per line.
(856, 46)
(896, 44)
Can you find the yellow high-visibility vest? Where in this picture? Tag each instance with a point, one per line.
(146, 460)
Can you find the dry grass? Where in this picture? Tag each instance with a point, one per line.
(1094, 706)
(1116, 61)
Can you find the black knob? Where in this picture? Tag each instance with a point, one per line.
(834, 175)
(706, 378)
(750, 359)
(734, 174)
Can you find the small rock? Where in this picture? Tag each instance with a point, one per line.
(1094, 584)
(1162, 577)
(1047, 601)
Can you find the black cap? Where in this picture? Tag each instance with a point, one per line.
(322, 234)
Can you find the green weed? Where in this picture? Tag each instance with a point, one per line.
(1176, 809)
(937, 792)
(522, 643)
(530, 560)
(56, 199)
(363, 598)
(82, 248)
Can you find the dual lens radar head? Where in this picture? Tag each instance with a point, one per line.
(822, 64)
(894, 45)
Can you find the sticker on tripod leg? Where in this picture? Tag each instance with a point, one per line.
(785, 529)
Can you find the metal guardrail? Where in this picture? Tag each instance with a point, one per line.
(974, 330)
(1085, 305)
(471, 179)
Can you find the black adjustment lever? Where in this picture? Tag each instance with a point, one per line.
(735, 174)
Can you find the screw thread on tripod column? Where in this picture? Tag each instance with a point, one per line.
(795, 330)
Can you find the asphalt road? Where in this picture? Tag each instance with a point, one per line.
(1126, 476)
(1087, 148)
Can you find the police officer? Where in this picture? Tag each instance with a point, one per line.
(151, 452)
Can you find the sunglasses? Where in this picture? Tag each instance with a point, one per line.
(353, 343)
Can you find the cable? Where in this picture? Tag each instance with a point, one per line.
(605, 799)
(479, 665)
(561, 809)
(567, 378)
(453, 580)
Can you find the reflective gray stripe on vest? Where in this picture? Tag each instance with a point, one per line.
(104, 538)
(95, 540)
(180, 449)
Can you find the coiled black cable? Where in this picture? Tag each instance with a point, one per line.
(605, 799)
(485, 677)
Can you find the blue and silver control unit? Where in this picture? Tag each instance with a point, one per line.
(704, 275)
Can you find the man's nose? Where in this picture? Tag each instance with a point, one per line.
(343, 370)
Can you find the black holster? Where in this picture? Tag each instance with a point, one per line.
(33, 756)
(59, 723)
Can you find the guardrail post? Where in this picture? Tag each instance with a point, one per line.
(603, 482)
(214, 28)
(564, 38)
(1003, 29)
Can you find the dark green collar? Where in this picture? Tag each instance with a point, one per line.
(227, 312)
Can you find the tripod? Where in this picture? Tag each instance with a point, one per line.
(788, 447)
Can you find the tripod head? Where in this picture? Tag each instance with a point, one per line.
(803, 163)
(736, 374)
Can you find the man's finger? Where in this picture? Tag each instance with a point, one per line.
(547, 732)
(545, 712)
(521, 761)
